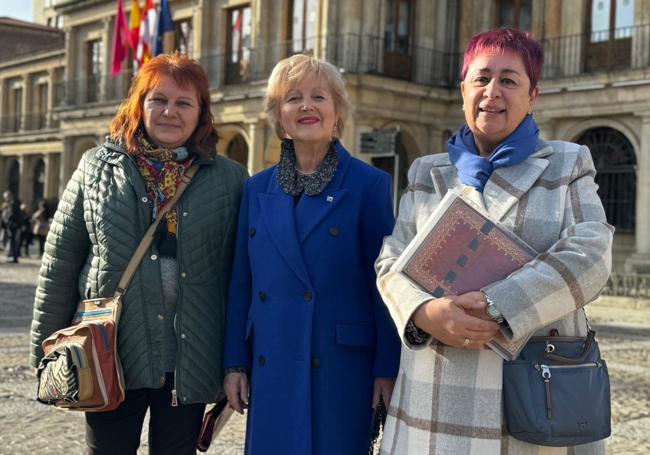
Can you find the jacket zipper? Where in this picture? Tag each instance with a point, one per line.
(546, 376)
(178, 301)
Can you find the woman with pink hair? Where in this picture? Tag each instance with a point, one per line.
(448, 394)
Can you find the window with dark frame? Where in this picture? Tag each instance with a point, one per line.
(516, 14)
(609, 34)
(399, 38)
(238, 44)
(42, 90)
(303, 27)
(93, 69)
(17, 102)
(183, 37)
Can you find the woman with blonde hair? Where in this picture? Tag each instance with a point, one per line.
(306, 327)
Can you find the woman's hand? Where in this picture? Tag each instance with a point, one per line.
(383, 387)
(459, 321)
(236, 387)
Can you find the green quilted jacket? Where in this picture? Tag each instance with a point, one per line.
(102, 216)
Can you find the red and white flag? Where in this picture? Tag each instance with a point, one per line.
(147, 38)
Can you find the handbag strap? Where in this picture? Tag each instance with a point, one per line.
(139, 253)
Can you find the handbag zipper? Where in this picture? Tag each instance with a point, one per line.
(546, 376)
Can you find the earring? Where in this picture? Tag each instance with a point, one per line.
(530, 112)
(462, 108)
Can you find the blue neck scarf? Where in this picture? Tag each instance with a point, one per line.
(473, 169)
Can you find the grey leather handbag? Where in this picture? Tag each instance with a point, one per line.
(556, 393)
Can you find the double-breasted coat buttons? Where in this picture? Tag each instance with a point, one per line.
(334, 231)
(261, 360)
(262, 296)
(308, 296)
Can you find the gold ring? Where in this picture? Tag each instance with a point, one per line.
(466, 342)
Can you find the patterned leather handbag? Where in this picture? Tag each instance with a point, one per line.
(81, 369)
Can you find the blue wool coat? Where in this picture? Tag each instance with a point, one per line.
(304, 313)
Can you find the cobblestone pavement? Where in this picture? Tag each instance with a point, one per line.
(27, 427)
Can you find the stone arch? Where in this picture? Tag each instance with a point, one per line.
(573, 132)
(615, 160)
(234, 143)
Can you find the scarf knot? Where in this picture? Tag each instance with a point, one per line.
(475, 170)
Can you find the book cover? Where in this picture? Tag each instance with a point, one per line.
(459, 250)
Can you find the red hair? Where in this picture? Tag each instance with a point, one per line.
(186, 73)
(507, 39)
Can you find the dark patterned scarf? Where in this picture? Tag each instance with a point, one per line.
(294, 183)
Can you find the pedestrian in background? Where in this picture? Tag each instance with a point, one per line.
(307, 329)
(170, 336)
(12, 217)
(26, 235)
(41, 225)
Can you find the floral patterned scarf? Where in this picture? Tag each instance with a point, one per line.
(161, 170)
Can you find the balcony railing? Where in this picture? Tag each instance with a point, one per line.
(356, 54)
(29, 121)
(92, 89)
(628, 285)
(585, 53)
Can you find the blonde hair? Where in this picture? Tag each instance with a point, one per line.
(295, 69)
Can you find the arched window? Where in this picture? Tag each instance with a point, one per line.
(615, 162)
(14, 177)
(238, 150)
(38, 183)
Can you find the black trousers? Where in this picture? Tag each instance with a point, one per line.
(172, 430)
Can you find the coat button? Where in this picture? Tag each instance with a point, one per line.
(334, 231)
(252, 232)
(261, 360)
(154, 257)
(308, 296)
(315, 362)
(262, 296)
(183, 274)
(185, 213)
(145, 199)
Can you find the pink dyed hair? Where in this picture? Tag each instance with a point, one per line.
(507, 39)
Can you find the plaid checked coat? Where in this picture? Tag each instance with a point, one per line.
(448, 400)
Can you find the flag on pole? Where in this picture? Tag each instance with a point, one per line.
(146, 39)
(165, 35)
(121, 41)
(134, 24)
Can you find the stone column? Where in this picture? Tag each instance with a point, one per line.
(107, 82)
(26, 175)
(256, 141)
(640, 260)
(26, 102)
(66, 166)
(71, 86)
(51, 87)
(52, 173)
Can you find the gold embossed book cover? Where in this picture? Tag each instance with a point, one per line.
(460, 249)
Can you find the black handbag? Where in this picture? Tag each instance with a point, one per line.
(556, 393)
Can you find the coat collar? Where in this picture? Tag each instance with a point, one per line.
(505, 186)
(279, 214)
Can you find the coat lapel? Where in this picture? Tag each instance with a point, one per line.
(277, 210)
(312, 210)
(508, 184)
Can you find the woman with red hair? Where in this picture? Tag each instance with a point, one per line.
(171, 328)
(448, 395)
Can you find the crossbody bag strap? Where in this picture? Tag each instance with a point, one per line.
(139, 253)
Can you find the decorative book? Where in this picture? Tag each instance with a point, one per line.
(459, 250)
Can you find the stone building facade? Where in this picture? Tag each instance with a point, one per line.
(400, 59)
